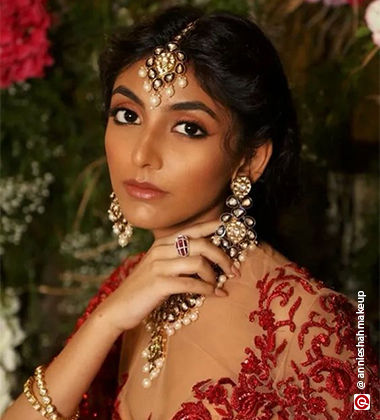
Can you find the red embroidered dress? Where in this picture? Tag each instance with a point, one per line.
(280, 346)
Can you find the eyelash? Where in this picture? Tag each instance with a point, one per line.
(113, 112)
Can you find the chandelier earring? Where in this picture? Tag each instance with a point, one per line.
(121, 226)
(236, 234)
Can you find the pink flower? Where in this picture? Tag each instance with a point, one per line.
(372, 18)
(23, 42)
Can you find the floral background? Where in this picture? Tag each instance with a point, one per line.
(56, 244)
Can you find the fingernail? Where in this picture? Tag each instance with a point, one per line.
(231, 276)
(220, 292)
(236, 270)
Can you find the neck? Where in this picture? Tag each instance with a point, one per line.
(210, 214)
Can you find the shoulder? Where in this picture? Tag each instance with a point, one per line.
(280, 285)
(293, 305)
(274, 288)
(313, 346)
(304, 359)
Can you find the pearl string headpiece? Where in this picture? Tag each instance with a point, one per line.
(165, 67)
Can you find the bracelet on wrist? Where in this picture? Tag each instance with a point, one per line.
(44, 406)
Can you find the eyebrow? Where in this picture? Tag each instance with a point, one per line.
(179, 106)
(129, 94)
(193, 105)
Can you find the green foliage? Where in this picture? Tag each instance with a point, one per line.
(54, 126)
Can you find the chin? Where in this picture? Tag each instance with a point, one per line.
(143, 218)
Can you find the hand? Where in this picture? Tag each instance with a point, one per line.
(161, 273)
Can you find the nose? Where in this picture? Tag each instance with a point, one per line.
(146, 151)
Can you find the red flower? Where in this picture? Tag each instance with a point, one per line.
(23, 42)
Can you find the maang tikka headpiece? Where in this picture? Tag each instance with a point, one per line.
(165, 67)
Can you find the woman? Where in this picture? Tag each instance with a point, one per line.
(199, 105)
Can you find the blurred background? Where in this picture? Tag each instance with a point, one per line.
(56, 242)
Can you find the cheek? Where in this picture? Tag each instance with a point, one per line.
(115, 151)
(110, 145)
(201, 174)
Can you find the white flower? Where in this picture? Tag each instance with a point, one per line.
(372, 18)
(11, 336)
(5, 398)
(5, 337)
(10, 359)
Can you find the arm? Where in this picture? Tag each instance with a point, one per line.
(70, 374)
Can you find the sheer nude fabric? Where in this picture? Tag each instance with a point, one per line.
(211, 347)
(301, 357)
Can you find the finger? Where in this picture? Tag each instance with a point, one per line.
(204, 247)
(190, 265)
(212, 252)
(196, 231)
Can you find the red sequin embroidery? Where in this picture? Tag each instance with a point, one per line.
(321, 383)
(320, 380)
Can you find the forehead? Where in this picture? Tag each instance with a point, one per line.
(192, 92)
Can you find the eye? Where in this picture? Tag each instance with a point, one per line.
(124, 116)
(191, 129)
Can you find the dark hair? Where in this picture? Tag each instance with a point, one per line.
(237, 65)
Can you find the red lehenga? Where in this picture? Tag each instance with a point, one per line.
(281, 346)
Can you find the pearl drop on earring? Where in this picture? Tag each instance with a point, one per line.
(145, 368)
(146, 382)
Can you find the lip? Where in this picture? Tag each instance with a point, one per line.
(143, 190)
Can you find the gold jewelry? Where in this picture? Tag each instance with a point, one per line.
(235, 236)
(165, 67)
(120, 226)
(45, 408)
(30, 396)
(177, 310)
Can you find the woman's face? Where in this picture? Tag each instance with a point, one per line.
(177, 146)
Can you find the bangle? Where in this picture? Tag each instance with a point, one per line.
(46, 408)
(28, 391)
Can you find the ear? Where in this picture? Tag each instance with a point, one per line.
(253, 166)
